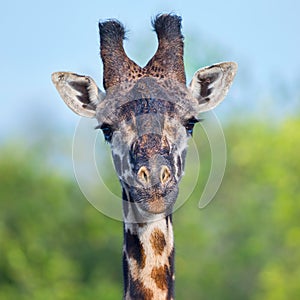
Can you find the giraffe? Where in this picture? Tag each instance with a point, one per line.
(147, 115)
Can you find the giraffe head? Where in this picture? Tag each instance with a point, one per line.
(147, 113)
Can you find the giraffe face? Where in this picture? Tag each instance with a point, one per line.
(148, 133)
(146, 113)
(148, 168)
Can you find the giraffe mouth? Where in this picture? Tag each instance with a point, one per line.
(154, 200)
(157, 205)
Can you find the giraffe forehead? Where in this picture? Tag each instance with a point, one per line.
(144, 106)
(150, 118)
(146, 95)
(149, 144)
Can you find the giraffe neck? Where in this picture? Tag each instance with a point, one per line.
(148, 260)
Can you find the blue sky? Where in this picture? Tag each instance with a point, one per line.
(38, 38)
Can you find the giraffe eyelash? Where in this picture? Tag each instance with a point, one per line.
(107, 131)
(189, 125)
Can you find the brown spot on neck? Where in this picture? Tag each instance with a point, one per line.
(158, 241)
(159, 275)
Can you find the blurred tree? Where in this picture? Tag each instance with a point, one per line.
(245, 244)
(54, 244)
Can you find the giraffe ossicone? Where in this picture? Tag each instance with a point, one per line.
(147, 115)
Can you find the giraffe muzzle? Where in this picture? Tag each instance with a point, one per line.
(152, 177)
(156, 189)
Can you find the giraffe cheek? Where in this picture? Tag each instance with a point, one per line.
(117, 163)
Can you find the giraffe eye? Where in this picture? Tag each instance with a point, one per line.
(107, 132)
(189, 125)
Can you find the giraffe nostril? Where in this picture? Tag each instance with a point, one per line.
(143, 175)
(165, 175)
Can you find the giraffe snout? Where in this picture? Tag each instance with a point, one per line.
(152, 177)
(156, 189)
(165, 175)
(143, 176)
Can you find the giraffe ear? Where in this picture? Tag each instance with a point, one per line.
(79, 92)
(210, 85)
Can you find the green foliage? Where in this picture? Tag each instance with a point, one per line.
(54, 244)
(244, 245)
